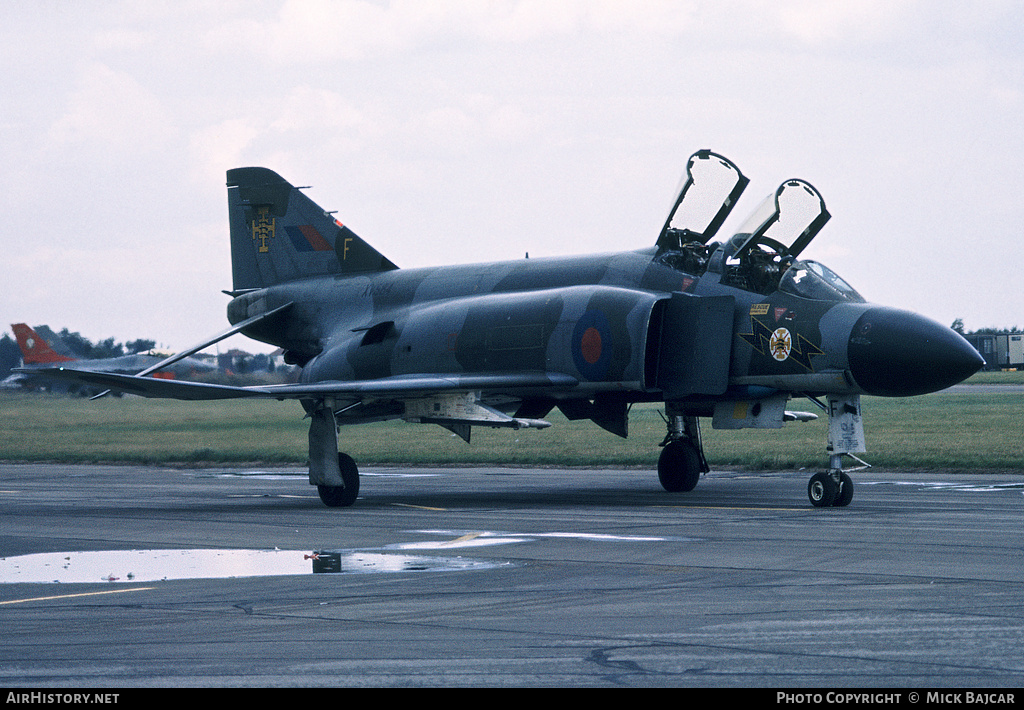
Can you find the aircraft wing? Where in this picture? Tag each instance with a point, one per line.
(146, 386)
(399, 386)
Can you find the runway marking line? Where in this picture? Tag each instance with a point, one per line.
(732, 507)
(419, 507)
(460, 540)
(71, 596)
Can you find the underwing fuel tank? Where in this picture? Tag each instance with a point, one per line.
(897, 353)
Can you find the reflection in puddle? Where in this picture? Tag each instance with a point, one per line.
(155, 565)
(949, 485)
(288, 475)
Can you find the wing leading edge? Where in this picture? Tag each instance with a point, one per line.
(401, 386)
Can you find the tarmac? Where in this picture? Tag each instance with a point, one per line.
(129, 577)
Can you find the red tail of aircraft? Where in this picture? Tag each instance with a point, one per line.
(34, 349)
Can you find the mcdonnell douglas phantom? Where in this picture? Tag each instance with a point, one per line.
(729, 330)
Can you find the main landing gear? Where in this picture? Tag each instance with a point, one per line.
(334, 474)
(344, 495)
(682, 459)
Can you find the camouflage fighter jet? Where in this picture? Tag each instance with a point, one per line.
(728, 330)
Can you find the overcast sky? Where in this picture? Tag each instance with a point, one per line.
(454, 132)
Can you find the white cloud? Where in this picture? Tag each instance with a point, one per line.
(815, 22)
(309, 32)
(476, 129)
(110, 112)
(217, 147)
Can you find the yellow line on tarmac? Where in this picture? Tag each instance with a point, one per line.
(71, 596)
(733, 507)
(419, 507)
(464, 538)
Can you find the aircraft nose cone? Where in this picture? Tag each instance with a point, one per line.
(894, 353)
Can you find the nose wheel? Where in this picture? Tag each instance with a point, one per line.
(833, 489)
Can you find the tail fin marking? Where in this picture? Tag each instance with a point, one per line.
(34, 349)
(278, 234)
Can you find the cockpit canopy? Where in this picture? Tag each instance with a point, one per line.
(762, 255)
(809, 279)
(785, 222)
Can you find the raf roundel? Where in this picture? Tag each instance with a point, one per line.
(592, 345)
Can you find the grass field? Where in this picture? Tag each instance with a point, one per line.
(971, 431)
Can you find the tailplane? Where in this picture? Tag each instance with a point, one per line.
(278, 234)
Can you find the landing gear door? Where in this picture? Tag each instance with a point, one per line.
(706, 196)
(695, 345)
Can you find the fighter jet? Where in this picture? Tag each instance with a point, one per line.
(727, 330)
(41, 348)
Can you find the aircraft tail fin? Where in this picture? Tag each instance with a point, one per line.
(278, 234)
(34, 348)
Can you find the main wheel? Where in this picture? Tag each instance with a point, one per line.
(679, 467)
(342, 496)
(845, 494)
(822, 490)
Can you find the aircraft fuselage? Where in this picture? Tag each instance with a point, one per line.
(598, 318)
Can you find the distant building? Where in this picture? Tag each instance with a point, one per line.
(1002, 351)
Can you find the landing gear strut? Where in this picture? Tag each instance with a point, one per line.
(682, 459)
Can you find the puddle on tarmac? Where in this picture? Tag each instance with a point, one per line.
(154, 565)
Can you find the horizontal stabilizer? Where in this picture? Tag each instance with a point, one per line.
(236, 328)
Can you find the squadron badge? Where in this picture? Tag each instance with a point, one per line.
(780, 344)
(263, 228)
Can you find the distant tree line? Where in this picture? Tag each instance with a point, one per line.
(10, 355)
(958, 326)
(84, 348)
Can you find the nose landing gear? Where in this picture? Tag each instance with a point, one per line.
(834, 488)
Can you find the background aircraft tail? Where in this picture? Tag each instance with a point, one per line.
(278, 234)
(34, 348)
